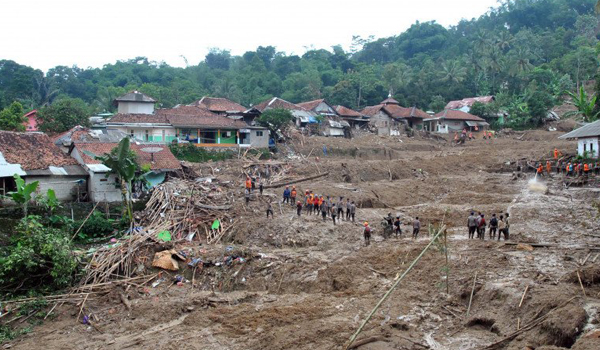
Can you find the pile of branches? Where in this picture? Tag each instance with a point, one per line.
(117, 261)
(187, 209)
(269, 172)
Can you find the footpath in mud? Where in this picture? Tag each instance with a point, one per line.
(292, 282)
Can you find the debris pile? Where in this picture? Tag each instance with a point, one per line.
(187, 209)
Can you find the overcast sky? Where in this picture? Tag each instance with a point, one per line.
(91, 33)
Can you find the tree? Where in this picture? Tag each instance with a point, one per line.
(585, 105)
(11, 118)
(437, 103)
(478, 109)
(123, 163)
(275, 119)
(63, 115)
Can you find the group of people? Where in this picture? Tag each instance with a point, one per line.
(395, 225)
(327, 206)
(567, 168)
(464, 136)
(496, 225)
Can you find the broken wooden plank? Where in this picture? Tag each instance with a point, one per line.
(281, 184)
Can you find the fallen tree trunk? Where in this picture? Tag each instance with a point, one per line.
(367, 341)
(213, 207)
(296, 181)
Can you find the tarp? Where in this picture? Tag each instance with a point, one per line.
(155, 178)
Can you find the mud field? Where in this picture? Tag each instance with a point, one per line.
(303, 283)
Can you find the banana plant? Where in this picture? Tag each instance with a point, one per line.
(24, 192)
(122, 162)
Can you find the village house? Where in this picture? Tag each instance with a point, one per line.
(587, 138)
(135, 102)
(466, 103)
(191, 124)
(303, 116)
(355, 119)
(82, 134)
(319, 107)
(31, 124)
(331, 124)
(389, 116)
(104, 186)
(34, 157)
(450, 120)
(225, 107)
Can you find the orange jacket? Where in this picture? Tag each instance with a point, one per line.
(294, 193)
(548, 166)
(248, 183)
(321, 201)
(586, 167)
(309, 200)
(540, 169)
(555, 153)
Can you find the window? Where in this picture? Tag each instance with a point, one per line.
(226, 134)
(259, 133)
(131, 133)
(147, 136)
(584, 147)
(591, 149)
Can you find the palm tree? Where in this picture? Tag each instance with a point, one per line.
(585, 106)
(453, 72)
(521, 61)
(504, 40)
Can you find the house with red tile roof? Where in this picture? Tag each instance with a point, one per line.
(193, 124)
(319, 107)
(388, 116)
(450, 120)
(31, 124)
(34, 157)
(225, 107)
(466, 103)
(103, 186)
(354, 118)
(303, 116)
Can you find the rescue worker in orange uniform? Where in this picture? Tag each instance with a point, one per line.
(556, 153)
(548, 167)
(249, 184)
(540, 170)
(293, 195)
(586, 169)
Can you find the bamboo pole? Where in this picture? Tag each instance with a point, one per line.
(387, 294)
(523, 297)
(472, 292)
(84, 221)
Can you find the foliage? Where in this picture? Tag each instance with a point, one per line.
(95, 227)
(38, 258)
(517, 48)
(24, 192)
(191, 153)
(123, 163)
(49, 202)
(275, 119)
(586, 106)
(63, 115)
(11, 117)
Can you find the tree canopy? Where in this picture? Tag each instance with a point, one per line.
(519, 49)
(63, 115)
(11, 118)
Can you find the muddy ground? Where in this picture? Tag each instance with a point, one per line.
(307, 284)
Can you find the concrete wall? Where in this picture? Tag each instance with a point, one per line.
(382, 122)
(136, 108)
(259, 138)
(102, 188)
(65, 187)
(590, 145)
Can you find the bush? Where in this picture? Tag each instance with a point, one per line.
(191, 153)
(96, 226)
(37, 258)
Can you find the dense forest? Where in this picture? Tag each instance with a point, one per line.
(526, 52)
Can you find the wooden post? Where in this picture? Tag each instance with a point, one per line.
(472, 291)
(447, 266)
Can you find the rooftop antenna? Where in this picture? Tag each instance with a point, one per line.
(151, 150)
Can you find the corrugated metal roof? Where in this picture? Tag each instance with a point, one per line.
(588, 130)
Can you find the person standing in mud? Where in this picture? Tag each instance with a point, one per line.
(352, 210)
(348, 206)
(416, 227)
(397, 228)
(472, 225)
(333, 212)
(324, 210)
(367, 234)
(299, 208)
(269, 209)
(493, 226)
(340, 208)
(507, 229)
(502, 228)
(293, 194)
(481, 227)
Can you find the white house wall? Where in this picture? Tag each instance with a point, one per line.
(158, 134)
(382, 122)
(135, 108)
(65, 187)
(102, 189)
(590, 145)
